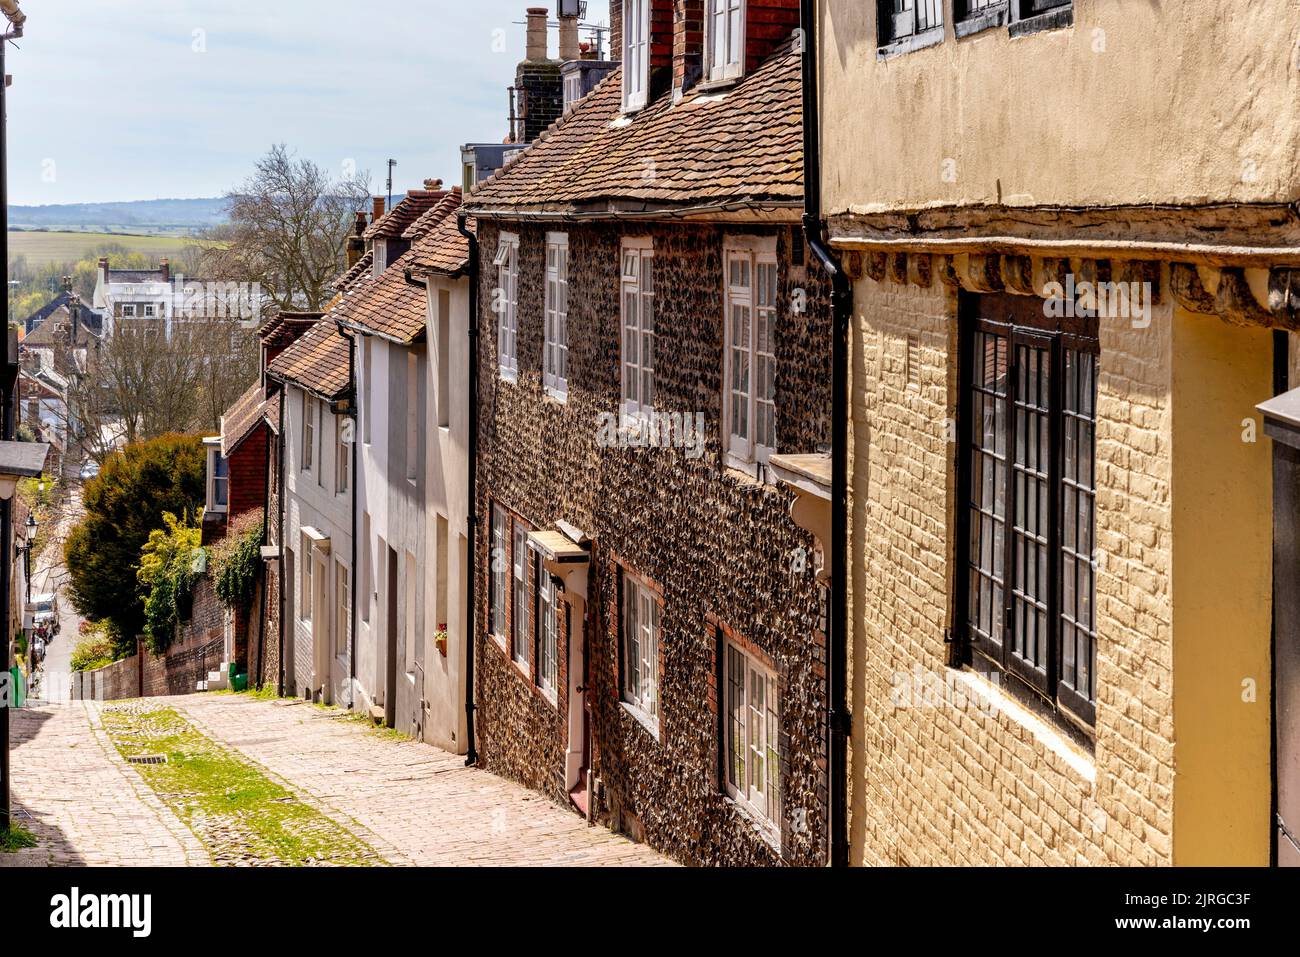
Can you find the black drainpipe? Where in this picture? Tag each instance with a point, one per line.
(279, 521)
(354, 414)
(839, 721)
(471, 614)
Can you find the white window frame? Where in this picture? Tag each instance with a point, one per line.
(367, 363)
(507, 305)
(751, 729)
(213, 506)
(343, 462)
(310, 426)
(305, 594)
(555, 357)
(744, 449)
(548, 632)
(636, 54)
(342, 609)
(636, 286)
(727, 17)
(521, 621)
(413, 417)
(572, 90)
(642, 617)
(128, 310)
(499, 569)
(150, 310)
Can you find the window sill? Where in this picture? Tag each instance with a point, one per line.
(918, 41)
(555, 395)
(717, 86)
(1052, 20)
(981, 22)
(507, 376)
(1000, 701)
(765, 829)
(647, 721)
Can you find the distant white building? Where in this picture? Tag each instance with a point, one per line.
(156, 294)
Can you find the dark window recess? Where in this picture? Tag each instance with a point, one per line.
(900, 20)
(1034, 15)
(1032, 8)
(971, 16)
(1029, 410)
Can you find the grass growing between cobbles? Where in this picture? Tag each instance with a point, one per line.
(241, 815)
(16, 839)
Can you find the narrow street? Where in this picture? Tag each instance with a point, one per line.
(408, 803)
(50, 575)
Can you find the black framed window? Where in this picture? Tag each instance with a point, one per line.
(900, 20)
(1027, 471)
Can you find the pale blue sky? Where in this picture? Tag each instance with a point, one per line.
(111, 102)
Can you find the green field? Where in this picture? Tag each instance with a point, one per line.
(40, 248)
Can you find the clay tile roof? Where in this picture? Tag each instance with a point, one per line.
(318, 362)
(393, 223)
(431, 218)
(241, 419)
(364, 266)
(743, 145)
(444, 251)
(390, 306)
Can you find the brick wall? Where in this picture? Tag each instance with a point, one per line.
(541, 95)
(719, 545)
(768, 25)
(248, 474)
(965, 785)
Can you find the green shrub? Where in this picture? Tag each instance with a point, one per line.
(236, 559)
(123, 505)
(93, 650)
(167, 577)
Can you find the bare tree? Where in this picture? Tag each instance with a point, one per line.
(288, 231)
(147, 379)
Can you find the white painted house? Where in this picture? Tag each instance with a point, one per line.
(318, 513)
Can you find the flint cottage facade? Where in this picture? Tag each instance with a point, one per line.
(1066, 305)
(652, 338)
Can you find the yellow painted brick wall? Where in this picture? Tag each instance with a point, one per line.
(945, 784)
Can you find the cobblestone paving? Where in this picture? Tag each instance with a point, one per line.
(86, 805)
(413, 803)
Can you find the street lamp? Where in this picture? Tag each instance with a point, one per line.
(31, 537)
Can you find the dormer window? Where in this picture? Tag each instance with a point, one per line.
(636, 53)
(724, 43)
(218, 490)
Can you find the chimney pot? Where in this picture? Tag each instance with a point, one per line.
(569, 47)
(537, 40)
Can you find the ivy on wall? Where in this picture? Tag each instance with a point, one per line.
(171, 563)
(236, 559)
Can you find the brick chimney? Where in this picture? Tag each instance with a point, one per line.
(569, 49)
(378, 209)
(616, 30)
(166, 267)
(688, 45)
(536, 45)
(356, 244)
(103, 270)
(539, 88)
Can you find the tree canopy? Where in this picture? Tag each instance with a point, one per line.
(124, 504)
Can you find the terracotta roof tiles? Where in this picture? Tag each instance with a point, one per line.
(743, 145)
(241, 419)
(318, 362)
(413, 205)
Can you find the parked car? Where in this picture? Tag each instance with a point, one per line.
(47, 612)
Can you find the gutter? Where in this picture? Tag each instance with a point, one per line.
(780, 207)
(471, 613)
(360, 330)
(839, 721)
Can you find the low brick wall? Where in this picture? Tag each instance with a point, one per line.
(198, 650)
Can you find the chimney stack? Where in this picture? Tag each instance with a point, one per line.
(356, 244)
(103, 270)
(569, 49)
(377, 212)
(536, 47)
(166, 268)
